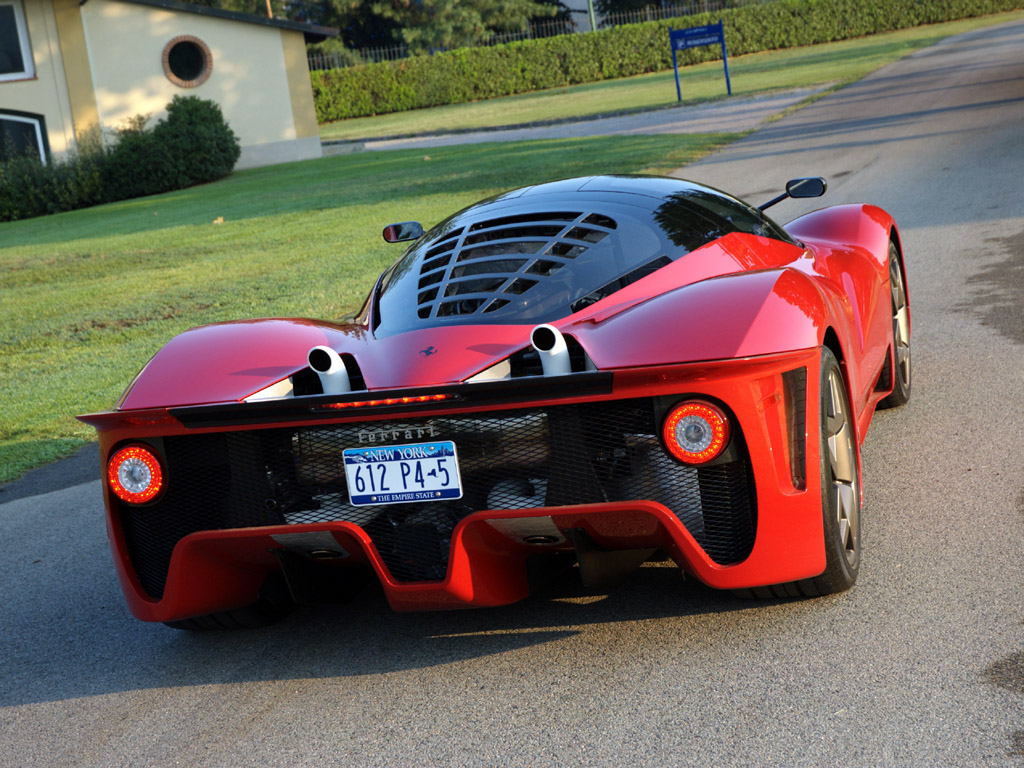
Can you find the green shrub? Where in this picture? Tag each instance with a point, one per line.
(200, 144)
(30, 188)
(19, 180)
(470, 74)
(192, 145)
(136, 165)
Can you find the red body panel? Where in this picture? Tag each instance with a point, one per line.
(217, 363)
(723, 323)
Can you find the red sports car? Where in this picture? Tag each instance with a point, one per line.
(573, 374)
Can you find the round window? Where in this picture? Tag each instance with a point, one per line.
(187, 61)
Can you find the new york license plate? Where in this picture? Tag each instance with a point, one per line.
(401, 474)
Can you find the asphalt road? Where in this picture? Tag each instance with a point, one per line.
(725, 116)
(922, 663)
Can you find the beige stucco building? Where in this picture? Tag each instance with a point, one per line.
(67, 66)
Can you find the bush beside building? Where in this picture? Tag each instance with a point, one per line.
(192, 145)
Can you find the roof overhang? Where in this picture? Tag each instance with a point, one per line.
(313, 33)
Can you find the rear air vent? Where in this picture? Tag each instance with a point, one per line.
(494, 262)
(524, 218)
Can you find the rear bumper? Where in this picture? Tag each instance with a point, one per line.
(211, 570)
(214, 570)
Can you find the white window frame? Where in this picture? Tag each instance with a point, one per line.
(33, 121)
(26, 49)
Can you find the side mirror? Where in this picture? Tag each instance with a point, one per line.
(406, 230)
(813, 187)
(810, 187)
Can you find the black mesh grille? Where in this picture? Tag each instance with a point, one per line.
(521, 459)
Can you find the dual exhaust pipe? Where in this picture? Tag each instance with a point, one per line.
(329, 366)
(551, 347)
(547, 340)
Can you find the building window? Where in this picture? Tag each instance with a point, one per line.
(15, 54)
(187, 61)
(21, 132)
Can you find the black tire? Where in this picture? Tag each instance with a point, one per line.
(900, 371)
(840, 494)
(273, 605)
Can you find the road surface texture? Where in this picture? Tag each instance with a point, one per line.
(726, 116)
(920, 664)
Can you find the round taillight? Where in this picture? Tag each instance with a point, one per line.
(135, 475)
(696, 432)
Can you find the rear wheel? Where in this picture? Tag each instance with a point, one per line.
(900, 333)
(840, 493)
(840, 482)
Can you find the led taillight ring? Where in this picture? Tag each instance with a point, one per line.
(695, 432)
(135, 474)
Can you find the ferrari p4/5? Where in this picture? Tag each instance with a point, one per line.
(579, 373)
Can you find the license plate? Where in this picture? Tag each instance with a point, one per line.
(402, 474)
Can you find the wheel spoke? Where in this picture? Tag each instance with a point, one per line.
(903, 363)
(902, 323)
(844, 532)
(835, 417)
(900, 327)
(840, 436)
(901, 339)
(847, 494)
(834, 425)
(840, 456)
(846, 515)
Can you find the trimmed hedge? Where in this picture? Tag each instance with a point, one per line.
(471, 74)
(192, 145)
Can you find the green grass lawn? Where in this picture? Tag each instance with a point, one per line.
(88, 296)
(813, 65)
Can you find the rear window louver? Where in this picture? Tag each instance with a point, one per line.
(492, 263)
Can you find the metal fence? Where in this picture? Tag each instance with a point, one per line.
(332, 60)
(536, 29)
(656, 12)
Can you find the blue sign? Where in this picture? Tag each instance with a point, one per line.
(694, 37)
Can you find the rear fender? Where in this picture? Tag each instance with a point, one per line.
(741, 315)
(853, 246)
(865, 226)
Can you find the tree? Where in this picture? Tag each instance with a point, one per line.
(607, 7)
(422, 25)
(445, 24)
(360, 26)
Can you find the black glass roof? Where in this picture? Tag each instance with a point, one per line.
(540, 253)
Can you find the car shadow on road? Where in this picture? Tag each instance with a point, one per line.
(104, 650)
